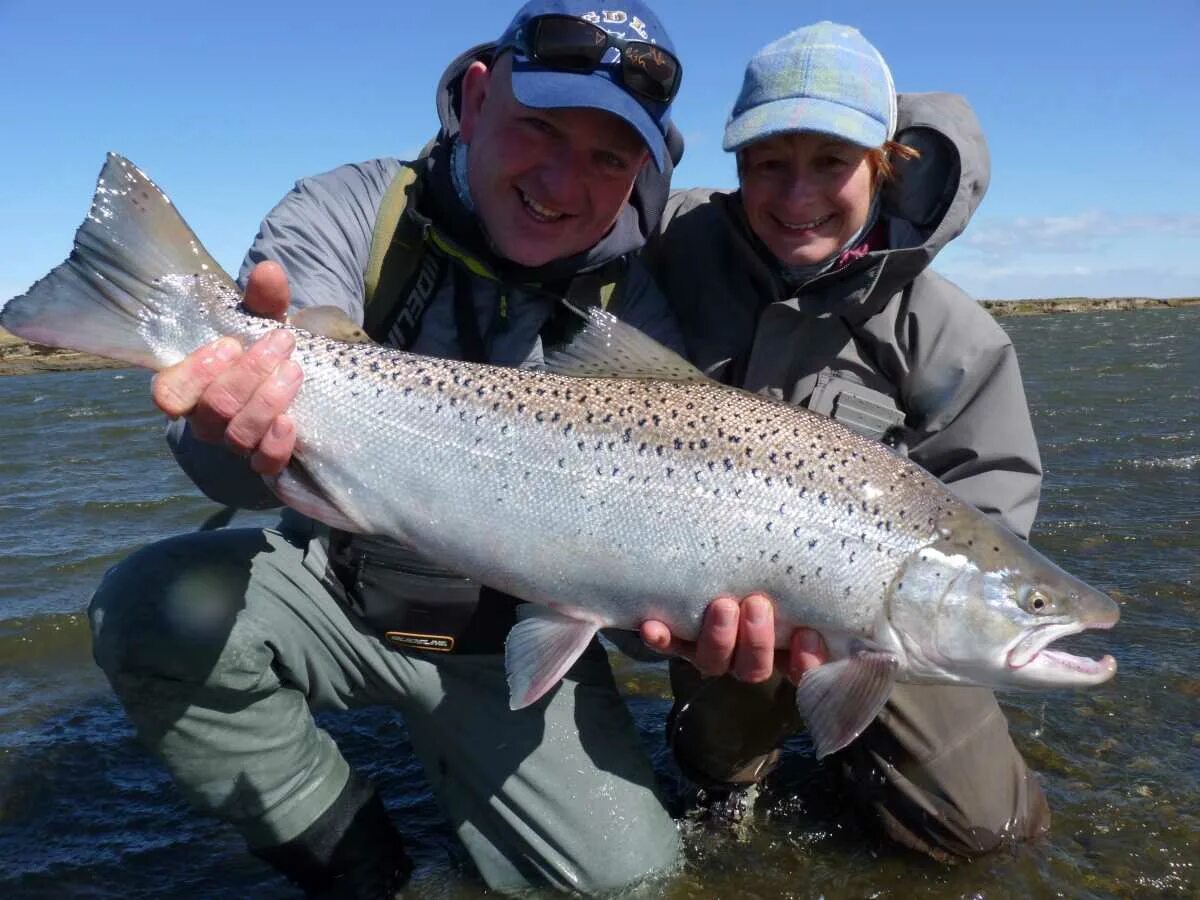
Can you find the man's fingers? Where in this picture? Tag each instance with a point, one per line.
(808, 651)
(275, 449)
(657, 636)
(274, 395)
(718, 637)
(754, 659)
(267, 291)
(233, 388)
(177, 389)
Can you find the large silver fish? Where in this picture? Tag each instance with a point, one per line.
(619, 486)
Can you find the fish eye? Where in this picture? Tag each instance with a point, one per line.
(1036, 601)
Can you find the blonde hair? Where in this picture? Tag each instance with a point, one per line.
(881, 160)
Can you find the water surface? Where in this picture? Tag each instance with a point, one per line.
(85, 478)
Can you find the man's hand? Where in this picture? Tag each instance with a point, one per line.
(241, 397)
(739, 637)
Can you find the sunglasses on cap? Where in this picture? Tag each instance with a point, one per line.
(568, 44)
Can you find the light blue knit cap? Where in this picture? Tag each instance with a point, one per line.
(826, 78)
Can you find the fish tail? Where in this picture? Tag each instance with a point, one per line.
(138, 285)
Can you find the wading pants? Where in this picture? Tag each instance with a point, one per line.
(937, 770)
(219, 644)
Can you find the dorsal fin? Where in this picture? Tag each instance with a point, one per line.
(608, 348)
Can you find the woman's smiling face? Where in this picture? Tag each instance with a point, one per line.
(805, 194)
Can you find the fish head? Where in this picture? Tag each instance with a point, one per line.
(981, 606)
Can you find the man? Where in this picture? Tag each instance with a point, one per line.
(550, 168)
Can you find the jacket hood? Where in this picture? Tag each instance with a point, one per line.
(933, 198)
(637, 221)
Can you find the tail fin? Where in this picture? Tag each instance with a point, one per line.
(138, 285)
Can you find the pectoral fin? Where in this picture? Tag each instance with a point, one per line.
(295, 488)
(840, 699)
(539, 651)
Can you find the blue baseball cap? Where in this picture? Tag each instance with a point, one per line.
(826, 78)
(537, 86)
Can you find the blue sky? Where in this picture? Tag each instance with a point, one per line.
(1090, 109)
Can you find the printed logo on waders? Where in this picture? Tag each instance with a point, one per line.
(404, 328)
(438, 643)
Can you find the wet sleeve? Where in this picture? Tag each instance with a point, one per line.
(321, 234)
(643, 305)
(974, 429)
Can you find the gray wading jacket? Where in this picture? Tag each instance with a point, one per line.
(884, 344)
(321, 234)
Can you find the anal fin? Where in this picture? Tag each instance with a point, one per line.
(539, 650)
(841, 698)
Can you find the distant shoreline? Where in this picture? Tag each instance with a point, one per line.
(18, 357)
(1081, 304)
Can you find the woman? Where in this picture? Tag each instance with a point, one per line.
(811, 283)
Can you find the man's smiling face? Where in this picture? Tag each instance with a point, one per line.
(546, 183)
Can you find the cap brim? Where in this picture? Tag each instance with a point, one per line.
(541, 88)
(794, 115)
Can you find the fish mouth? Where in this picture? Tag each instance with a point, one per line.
(1031, 662)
